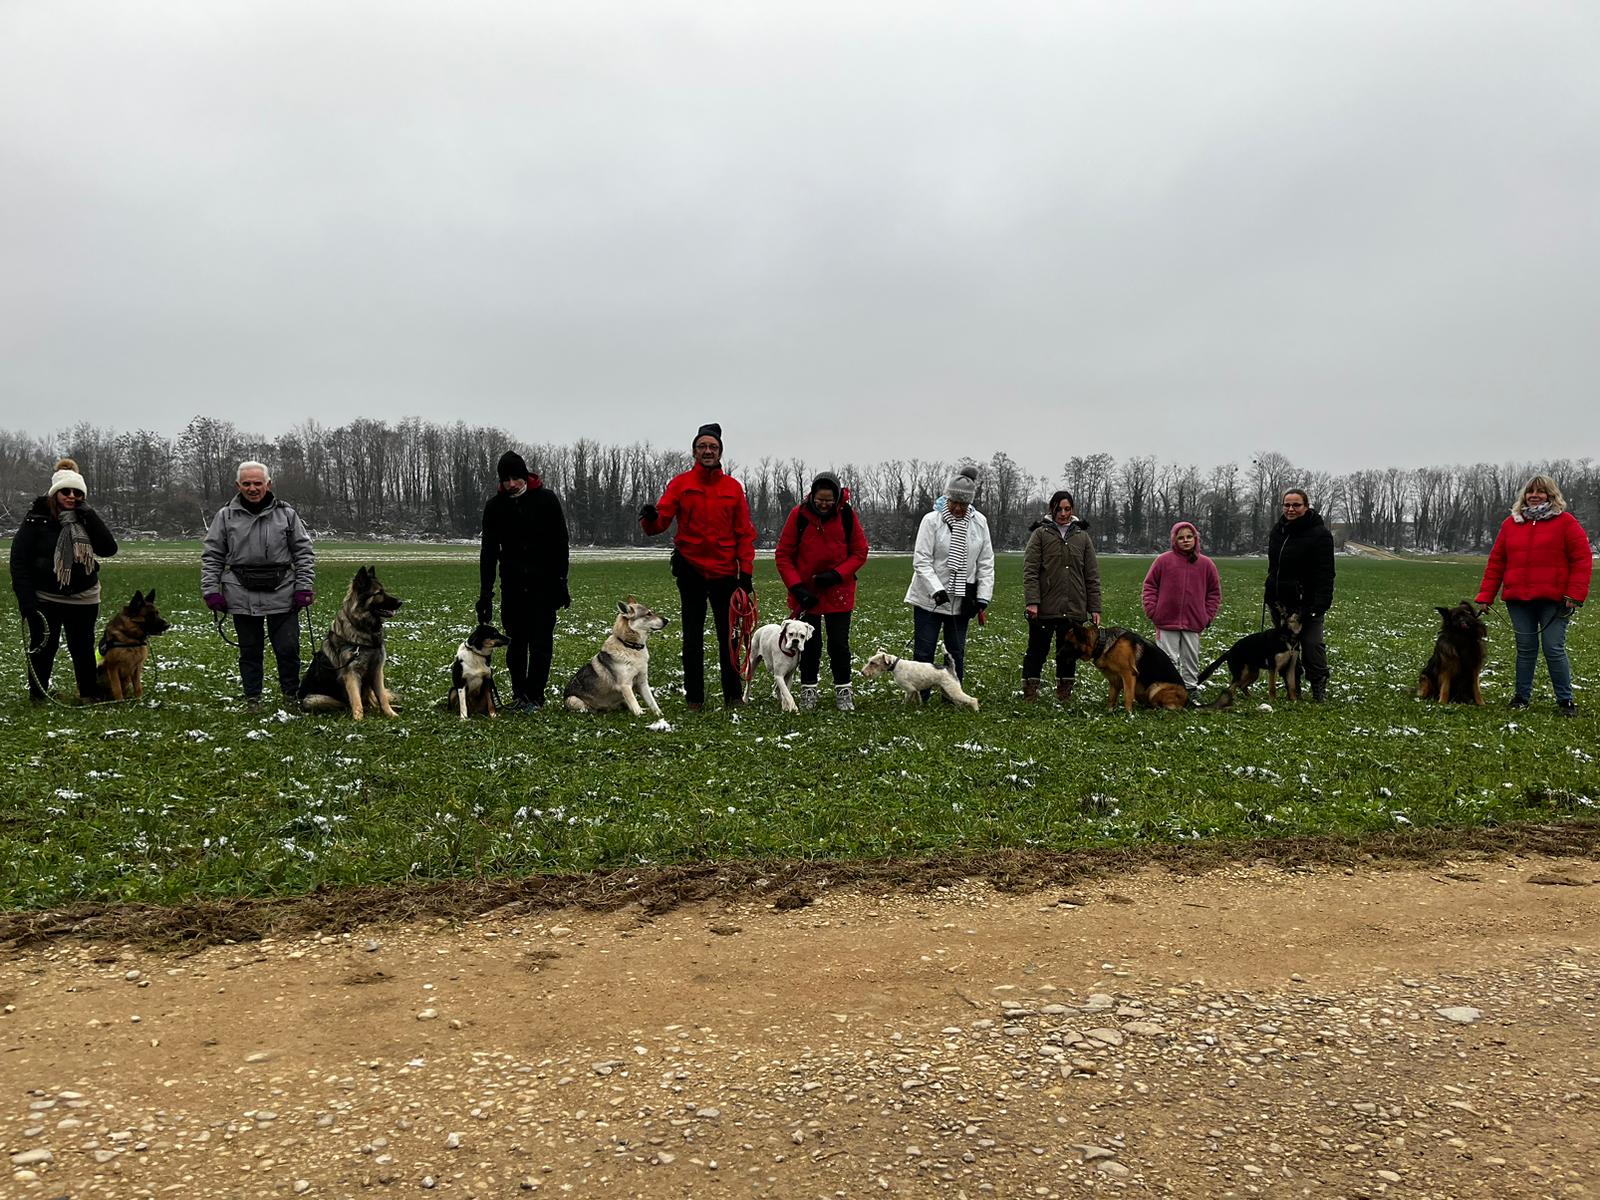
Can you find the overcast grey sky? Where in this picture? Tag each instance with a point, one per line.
(1359, 234)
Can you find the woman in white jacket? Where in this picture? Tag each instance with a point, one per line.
(952, 577)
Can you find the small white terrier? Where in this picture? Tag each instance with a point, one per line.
(918, 677)
(779, 646)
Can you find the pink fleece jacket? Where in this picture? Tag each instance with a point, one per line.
(1182, 591)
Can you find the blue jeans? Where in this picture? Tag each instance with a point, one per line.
(1528, 617)
(925, 640)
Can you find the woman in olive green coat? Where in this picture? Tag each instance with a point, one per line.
(1061, 586)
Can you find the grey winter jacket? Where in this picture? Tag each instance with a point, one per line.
(275, 536)
(1061, 575)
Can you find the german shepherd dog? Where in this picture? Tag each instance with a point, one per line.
(125, 647)
(1457, 660)
(347, 669)
(472, 690)
(1275, 651)
(622, 667)
(1135, 669)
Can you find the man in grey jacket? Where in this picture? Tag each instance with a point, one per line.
(258, 565)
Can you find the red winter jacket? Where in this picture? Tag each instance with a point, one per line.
(715, 533)
(811, 544)
(1538, 560)
(1181, 592)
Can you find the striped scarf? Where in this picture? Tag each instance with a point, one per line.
(72, 547)
(956, 563)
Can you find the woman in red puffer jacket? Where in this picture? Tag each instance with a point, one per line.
(1542, 562)
(819, 552)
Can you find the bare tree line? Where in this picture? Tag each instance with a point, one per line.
(417, 478)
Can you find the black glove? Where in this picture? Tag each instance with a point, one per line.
(803, 596)
(969, 606)
(566, 596)
(747, 583)
(649, 513)
(827, 579)
(941, 598)
(28, 607)
(982, 604)
(485, 609)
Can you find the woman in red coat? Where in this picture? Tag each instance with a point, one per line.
(821, 549)
(1541, 561)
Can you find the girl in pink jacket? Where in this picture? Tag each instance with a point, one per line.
(1181, 596)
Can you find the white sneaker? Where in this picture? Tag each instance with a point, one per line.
(808, 697)
(844, 697)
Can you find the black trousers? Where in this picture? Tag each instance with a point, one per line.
(1040, 633)
(837, 626)
(532, 630)
(284, 630)
(695, 592)
(45, 628)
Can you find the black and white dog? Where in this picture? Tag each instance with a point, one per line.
(472, 690)
(779, 647)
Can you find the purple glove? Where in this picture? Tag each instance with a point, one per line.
(304, 598)
(216, 602)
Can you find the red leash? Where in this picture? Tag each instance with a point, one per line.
(742, 618)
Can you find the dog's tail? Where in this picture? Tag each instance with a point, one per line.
(1210, 671)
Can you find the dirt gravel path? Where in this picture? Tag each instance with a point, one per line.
(1249, 1031)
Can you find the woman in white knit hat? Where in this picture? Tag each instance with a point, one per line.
(55, 572)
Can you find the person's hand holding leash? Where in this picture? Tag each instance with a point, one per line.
(216, 602)
(304, 597)
(485, 609)
(941, 598)
(803, 596)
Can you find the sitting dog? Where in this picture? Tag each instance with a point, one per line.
(1135, 669)
(779, 646)
(918, 677)
(1457, 660)
(609, 680)
(347, 669)
(125, 647)
(472, 690)
(1275, 651)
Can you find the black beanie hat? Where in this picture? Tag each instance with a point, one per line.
(713, 430)
(511, 466)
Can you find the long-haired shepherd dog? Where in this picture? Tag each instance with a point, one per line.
(346, 672)
(1274, 652)
(1453, 670)
(1136, 670)
(622, 667)
(472, 690)
(125, 647)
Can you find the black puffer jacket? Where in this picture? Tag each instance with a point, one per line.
(526, 537)
(1300, 565)
(33, 554)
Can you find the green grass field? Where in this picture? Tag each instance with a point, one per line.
(186, 795)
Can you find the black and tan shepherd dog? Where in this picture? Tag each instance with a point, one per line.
(125, 647)
(346, 672)
(1453, 670)
(1273, 652)
(1136, 670)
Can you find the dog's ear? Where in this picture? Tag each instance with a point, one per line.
(1443, 611)
(361, 577)
(150, 597)
(622, 605)
(137, 601)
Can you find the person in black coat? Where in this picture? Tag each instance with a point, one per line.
(525, 534)
(1300, 580)
(55, 573)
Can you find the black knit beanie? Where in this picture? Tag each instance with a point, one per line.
(711, 430)
(511, 466)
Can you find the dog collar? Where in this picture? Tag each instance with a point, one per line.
(787, 653)
(631, 645)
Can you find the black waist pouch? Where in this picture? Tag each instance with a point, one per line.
(260, 579)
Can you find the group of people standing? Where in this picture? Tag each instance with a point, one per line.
(258, 567)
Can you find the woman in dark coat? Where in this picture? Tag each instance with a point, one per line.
(55, 573)
(525, 536)
(1300, 580)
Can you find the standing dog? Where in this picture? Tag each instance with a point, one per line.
(1135, 669)
(125, 647)
(472, 690)
(1275, 651)
(779, 646)
(1454, 668)
(918, 677)
(347, 669)
(609, 680)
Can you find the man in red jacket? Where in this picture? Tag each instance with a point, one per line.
(714, 554)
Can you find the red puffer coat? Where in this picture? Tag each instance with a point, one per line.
(715, 533)
(1538, 560)
(811, 544)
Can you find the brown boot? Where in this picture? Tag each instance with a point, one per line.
(1064, 690)
(1030, 690)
